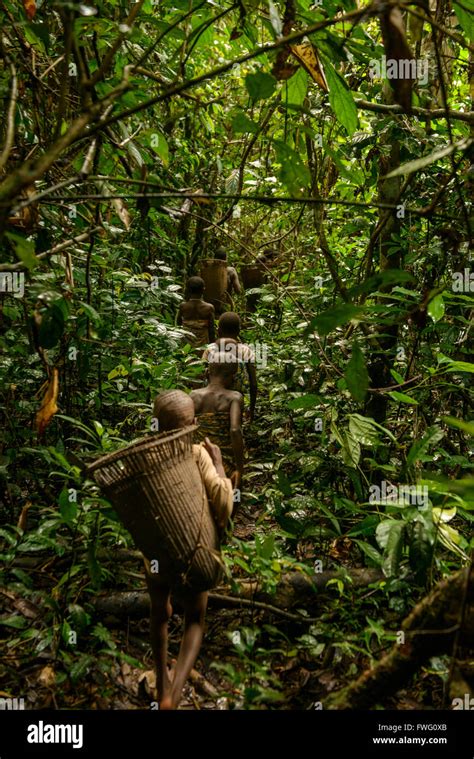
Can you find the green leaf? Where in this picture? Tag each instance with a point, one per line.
(297, 87)
(51, 327)
(67, 508)
(260, 85)
(241, 123)
(356, 374)
(460, 424)
(293, 173)
(393, 549)
(466, 17)
(19, 623)
(420, 447)
(382, 279)
(90, 312)
(334, 317)
(24, 249)
(363, 429)
(436, 308)
(159, 145)
(275, 19)
(304, 401)
(340, 98)
(403, 398)
(370, 551)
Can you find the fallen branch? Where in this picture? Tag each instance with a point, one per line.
(430, 629)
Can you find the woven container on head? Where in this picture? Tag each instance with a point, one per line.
(214, 274)
(156, 488)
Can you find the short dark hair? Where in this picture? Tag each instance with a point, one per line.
(195, 285)
(229, 324)
(221, 253)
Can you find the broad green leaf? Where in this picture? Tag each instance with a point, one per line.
(67, 507)
(393, 549)
(356, 374)
(382, 280)
(466, 17)
(260, 85)
(159, 145)
(460, 424)
(420, 447)
(304, 401)
(241, 124)
(402, 398)
(328, 320)
(90, 312)
(363, 429)
(436, 308)
(15, 621)
(275, 19)
(293, 173)
(297, 87)
(24, 249)
(370, 551)
(340, 98)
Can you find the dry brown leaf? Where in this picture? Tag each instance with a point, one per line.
(47, 677)
(22, 518)
(122, 212)
(49, 406)
(30, 8)
(307, 55)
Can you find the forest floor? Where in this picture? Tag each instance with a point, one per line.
(281, 672)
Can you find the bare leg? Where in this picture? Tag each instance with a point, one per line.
(194, 614)
(161, 611)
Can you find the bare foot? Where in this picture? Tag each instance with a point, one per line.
(166, 704)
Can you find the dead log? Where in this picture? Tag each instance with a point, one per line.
(443, 617)
(294, 589)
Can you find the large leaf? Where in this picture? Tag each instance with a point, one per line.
(260, 85)
(465, 17)
(293, 173)
(389, 536)
(328, 320)
(356, 374)
(241, 123)
(297, 87)
(363, 429)
(420, 447)
(340, 98)
(24, 249)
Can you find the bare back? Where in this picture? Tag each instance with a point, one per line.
(208, 399)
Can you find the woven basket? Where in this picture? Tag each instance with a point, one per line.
(214, 274)
(253, 275)
(156, 488)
